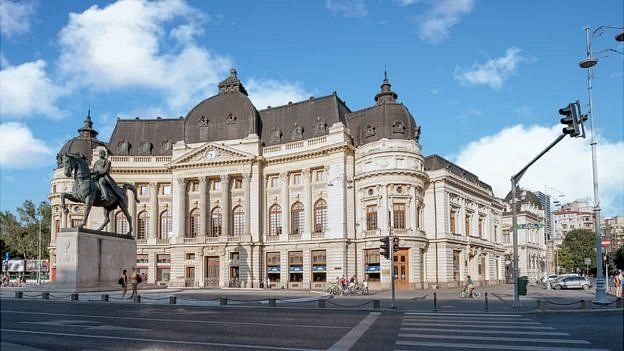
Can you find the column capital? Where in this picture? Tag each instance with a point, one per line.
(283, 175)
(153, 184)
(246, 177)
(181, 181)
(204, 180)
(305, 172)
(225, 177)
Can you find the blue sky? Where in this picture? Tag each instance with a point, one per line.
(484, 79)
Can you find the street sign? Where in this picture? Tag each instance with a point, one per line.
(587, 261)
(606, 242)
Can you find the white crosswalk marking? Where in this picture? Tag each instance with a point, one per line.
(430, 331)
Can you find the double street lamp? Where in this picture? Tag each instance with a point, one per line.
(588, 63)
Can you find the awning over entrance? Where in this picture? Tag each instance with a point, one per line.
(371, 268)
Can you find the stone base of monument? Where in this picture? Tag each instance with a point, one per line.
(91, 260)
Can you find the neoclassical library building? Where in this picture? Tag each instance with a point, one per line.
(295, 195)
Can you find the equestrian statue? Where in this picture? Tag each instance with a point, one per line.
(96, 188)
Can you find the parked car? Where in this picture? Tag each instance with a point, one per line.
(571, 282)
(548, 279)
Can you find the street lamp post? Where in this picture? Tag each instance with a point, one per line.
(39, 248)
(589, 62)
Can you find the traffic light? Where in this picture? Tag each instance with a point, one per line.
(573, 120)
(395, 244)
(384, 248)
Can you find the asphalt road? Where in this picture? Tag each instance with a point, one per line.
(31, 325)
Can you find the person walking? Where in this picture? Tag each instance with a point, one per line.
(123, 281)
(617, 281)
(135, 280)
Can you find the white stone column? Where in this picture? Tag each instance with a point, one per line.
(285, 204)
(203, 206)
(181, 209)
(63, 219)
(382, 216)
(132, 211)
(307, 205)
(227, 210)
(154, 217)
(413, 211)
(247, 192)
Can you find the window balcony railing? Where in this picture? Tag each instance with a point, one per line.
(212, 239)
(141, 241)
(190, 240)
(294, 237)
(319, 235)
(272, 237)
(162, 241)
(373, 232)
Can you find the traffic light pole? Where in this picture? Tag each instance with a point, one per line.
(391, 251)
(514, 215)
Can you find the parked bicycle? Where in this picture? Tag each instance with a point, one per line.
(467, 293)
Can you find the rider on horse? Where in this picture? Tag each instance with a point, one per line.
(100, 174)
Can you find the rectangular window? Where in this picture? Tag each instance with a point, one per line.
(452, 221)
(296, 179)
(506, 238)
(495, 233)
(194, 186)
(234, 255)
(273, 267)
(371, 217)
(75, 222)
(467, 221)
(162, 274)
(456, 266)
(142, 258)
(319, 175)
(143, 189)
(190, 256)
(295, 266)
(319, 266)
(216, 185)
(399, 216)
(274, 182)
(57, 226)
(372, 267)
(163, 258)
(481, 227)
(238, 183)
(165, 189)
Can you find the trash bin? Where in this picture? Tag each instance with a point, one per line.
(522, 285)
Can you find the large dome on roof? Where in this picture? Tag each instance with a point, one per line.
(226, 116)
(82, 144)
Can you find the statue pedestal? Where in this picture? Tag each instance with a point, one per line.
(92, 260)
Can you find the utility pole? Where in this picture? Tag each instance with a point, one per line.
(391, 250)
(39, 248)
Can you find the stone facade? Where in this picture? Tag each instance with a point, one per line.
(296, 202)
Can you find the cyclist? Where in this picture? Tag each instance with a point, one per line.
(469, 286)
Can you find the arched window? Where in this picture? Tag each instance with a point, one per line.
(217, 220)
(165, 225)
(121, 224)
(275, 220)
(193, 223)
(238, 214)
(320, 216)
(142, 225)
(296, 215)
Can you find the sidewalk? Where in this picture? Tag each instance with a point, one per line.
(499, 298)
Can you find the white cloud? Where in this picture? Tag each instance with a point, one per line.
(494, 72)
(435, 24)
(347, 8)
(407, 2)
(567, 166)
(469, 112)
(15, 17)
(20, 149)
(270, 92)
(125, 45)
(26, 90)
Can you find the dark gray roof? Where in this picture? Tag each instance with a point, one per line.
(435, 162)
(146, 136)
(301, 120)
(82, 144)
(525, 196)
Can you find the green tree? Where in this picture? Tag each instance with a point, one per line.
(577, 245)
(618, 258)
(20, 234)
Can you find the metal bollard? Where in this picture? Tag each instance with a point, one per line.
(19, 295)
(486, 303)
(45, 295)
(272, 302)
(223, 301)
(435, 302)
(584, 305)
(172, 300)
(376, 304)
(136, 299)
(105, 297)
(321, 303)
(74, 297)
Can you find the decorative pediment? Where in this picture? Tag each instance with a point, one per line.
(211, 153)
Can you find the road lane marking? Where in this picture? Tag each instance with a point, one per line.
(486, 331)
(478, 326)
(491, 347)
(494, 338)
(256, 324)
(465, 318)
(348, 340)
(162, 341)
(409, 320)
(461, 314)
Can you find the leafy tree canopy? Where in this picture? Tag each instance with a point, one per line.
(19, 235)
(577, 245)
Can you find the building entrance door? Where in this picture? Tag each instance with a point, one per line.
(212, 272)
(401, 269)
(189, 280)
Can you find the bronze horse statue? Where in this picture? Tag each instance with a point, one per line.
(86, 191)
